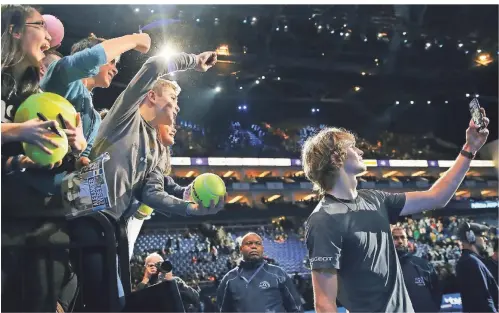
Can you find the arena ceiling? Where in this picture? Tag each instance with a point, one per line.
(407, 68)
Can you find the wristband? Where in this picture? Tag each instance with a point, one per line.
(466, 154)
(15, 164)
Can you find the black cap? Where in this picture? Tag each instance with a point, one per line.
(477, 229)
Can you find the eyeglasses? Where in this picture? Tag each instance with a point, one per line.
(37, 24)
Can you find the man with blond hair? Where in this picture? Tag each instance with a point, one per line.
(138, 158)
(351, 250)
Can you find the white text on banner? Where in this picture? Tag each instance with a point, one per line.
(181, 161)
(225, 161)
(217, 162)
(266, 162)
(250, 162)
(482, 163)
(474, 163)
(408, 163)
(282, 162)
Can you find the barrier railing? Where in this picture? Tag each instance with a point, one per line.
(23, 261)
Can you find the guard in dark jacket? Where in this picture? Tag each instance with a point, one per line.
(478, 288)
(255, 285)
(420, 277)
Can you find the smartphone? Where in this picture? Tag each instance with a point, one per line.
(476, 114)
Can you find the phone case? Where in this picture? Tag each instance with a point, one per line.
(476, 114)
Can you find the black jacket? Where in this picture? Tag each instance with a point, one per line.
(190, 297)
(421, 281)
(478, 288)
(258, 287)
(493, 268)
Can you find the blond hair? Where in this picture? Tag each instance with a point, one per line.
(162, 83)
(323, 154)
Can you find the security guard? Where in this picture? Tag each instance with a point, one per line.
(421, 279)
(478, 288)
(255, 285)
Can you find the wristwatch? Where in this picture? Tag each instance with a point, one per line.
(467, 154)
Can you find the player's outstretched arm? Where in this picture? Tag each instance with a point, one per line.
(446, 186)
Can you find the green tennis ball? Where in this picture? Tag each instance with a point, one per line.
(47, 103)
(207, 187)
(39, 156)
(144, 212)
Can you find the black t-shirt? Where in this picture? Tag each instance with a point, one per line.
(7, 113)
(354, 238)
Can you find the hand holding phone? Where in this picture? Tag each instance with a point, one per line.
(477, 132)
(476, 114)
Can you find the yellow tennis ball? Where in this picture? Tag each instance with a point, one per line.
(144, 212)
(207, 187)
(47, 103)
(39, 156)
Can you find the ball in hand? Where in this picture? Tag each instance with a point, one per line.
(207, 187)
(41, 157)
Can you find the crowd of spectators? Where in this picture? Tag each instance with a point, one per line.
(431, 238)
(435, 240)
(265, 140)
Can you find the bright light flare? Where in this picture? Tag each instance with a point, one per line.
(167, 51)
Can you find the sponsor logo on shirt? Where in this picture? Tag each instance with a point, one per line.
(453, 300)
(419, 281)
(321, 259)
(264, 285)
